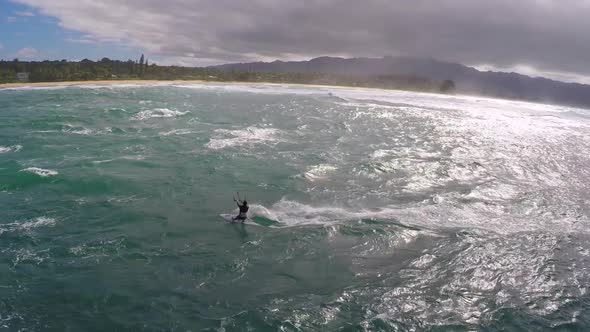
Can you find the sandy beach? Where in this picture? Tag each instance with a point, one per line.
(167, 82)
(81, 83)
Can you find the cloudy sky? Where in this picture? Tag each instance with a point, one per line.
(537, 37)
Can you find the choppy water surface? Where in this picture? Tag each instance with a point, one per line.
(376, 211)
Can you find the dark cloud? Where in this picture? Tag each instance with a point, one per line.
(545, 35)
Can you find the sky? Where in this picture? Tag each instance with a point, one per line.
(549, 38)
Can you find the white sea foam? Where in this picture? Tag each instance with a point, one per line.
(137, 157)
(158, 113)
(37, 222)
(27, 225)
(14, 148)
(176, 132)
(102, 161)
(291, 213)
(40, 171)
(429, 216)
(119, 86)
(87, 86)
(75, 129)
(294, 214)
(83, 131)
(270, 89)
(243, 137)
(381, 153)
(33, 88)
(116, 109)
(319, 172)
(29, 256)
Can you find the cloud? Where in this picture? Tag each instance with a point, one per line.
(29, 14)
(501, 33)
(534, 72)
(1, 46)
(82, 40)
(28, 53)
(11, 19)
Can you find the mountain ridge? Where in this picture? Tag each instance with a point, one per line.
(467, 79)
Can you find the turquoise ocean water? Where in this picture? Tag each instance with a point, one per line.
(371, 210)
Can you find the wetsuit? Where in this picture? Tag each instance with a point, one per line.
(243, 215)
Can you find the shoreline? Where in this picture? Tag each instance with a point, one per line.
(83, 83)
(8, 86)
(4, 86)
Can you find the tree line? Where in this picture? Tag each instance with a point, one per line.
(107, 69)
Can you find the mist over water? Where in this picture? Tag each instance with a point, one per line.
(371, 210)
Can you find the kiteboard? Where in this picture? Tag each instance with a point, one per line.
(229, 218)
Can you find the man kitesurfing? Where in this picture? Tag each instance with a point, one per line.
(243, 206)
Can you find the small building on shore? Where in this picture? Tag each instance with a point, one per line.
(22, 77)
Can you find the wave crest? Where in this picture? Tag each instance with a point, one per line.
(40, 171)
(6, 149)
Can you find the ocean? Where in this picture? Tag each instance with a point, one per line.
(371, 210)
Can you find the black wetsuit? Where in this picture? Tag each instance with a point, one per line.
(243, 215)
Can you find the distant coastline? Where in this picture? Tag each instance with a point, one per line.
(387, 73)
(139, 82)
(5, 86)
(18, 73)
(84, 83)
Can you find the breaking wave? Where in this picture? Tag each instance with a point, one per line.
(6, 149)
(40, 171)
(319, 172)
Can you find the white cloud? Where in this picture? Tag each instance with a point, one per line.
(81, 40)
(1, 46)
(503, 33)
(28, 53)
(535, 72)
(29, 14)
(11, 19)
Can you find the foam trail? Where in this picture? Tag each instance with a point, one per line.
(294, 213)
(425, 215)
(291, 213)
